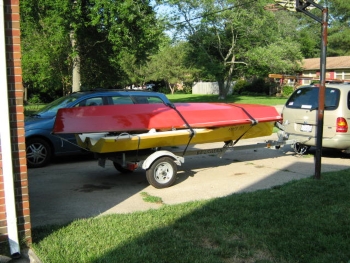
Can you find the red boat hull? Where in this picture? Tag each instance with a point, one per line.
(144, 117)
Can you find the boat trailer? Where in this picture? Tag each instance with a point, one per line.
(161, 164)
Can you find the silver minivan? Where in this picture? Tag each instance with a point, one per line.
(300, 117)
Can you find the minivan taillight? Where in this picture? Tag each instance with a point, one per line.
(342, 125)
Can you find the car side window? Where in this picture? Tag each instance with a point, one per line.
(122, 100)
(155, 100)
(97, 101)
(146, 99)
(332, 99)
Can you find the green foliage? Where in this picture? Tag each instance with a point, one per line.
(186, 89)
(338, 39)
(34, 99)
(150, 198)
(255, 86)
(309, 40)
(123, 42)
(287, 90)
(237, 38)
(240, 86)
(283, 56)
(164, 90)
(258, 86)
(103, 31)
(170, 66)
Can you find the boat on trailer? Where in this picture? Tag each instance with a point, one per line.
(115, 128)
(132, 135)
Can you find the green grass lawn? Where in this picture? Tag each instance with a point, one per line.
(265, 100)
(302, 221)
(32, 108)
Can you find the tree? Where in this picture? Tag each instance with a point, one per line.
(170, 66)
(277, 57)
(339, 29)
(44, 51)
(338, 40)
(92, 36)
(223, 34)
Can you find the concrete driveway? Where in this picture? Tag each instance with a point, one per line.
(73, 188)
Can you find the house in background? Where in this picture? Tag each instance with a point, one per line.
(337, 70)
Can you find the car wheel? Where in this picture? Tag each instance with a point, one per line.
(39, 152)
(300, 148)
(162, 172)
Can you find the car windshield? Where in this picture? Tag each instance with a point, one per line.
(51, 109)
(307, 98)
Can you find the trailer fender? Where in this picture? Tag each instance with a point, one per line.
(154, 156)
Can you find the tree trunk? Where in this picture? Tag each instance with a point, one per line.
(224, 88)
(225, 84)
(172, 89)
(222, 92)
(76, 65)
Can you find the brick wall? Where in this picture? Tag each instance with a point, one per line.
(16, 109)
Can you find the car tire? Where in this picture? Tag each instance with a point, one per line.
(162, 173)
(39, 152)
(301, 148)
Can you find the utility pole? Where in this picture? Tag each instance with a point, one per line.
(303, 6)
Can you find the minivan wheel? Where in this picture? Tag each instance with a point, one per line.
(300, 148)
(38, 152)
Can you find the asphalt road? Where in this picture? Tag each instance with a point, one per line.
(73, 188)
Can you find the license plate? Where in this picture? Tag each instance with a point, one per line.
(306, 128)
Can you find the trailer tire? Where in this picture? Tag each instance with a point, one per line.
(162, 172)
(121, 169)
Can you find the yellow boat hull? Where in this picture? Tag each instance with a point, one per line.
(103, 143)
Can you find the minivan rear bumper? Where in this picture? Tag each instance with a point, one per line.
(339, 141)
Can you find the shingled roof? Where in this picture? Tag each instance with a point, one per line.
(331, 63)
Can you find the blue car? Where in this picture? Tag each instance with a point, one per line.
(42, 146)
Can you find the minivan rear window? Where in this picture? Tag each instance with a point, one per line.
(307, 98)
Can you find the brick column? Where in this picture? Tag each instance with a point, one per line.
(16, 109)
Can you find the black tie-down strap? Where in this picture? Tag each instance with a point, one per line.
(172, 106)
(254, 122)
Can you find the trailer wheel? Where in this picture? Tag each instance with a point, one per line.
(300, 148)
(162, 172)
(121, 169)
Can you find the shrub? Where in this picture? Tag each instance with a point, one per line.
(259, 86)
(34, 99)
(287, 90)
(164, 90)
(240, 86)
(187, 89)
